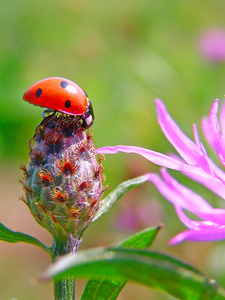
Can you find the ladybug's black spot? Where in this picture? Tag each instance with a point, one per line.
(38, 93)
(64, 84)
(67, 103)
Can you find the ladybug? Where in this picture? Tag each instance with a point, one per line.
(63, 95)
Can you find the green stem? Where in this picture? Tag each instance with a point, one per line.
(65, 288)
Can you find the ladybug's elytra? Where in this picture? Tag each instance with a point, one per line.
(63, 95)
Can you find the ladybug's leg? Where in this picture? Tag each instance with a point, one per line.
(46, 112)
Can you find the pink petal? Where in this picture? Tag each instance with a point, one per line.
(215, 129)
(155, 157)
(187, 149)
(193, 201)
(170, 194)
(178, 194)
(205, 235)
(207, 132)
(197, 225)
(212, 132)
(211, 182)
(194, 155)
(196, 136)
(199, 230)
(216, 215)
(222, 117)
(183, 197)
(214, 181)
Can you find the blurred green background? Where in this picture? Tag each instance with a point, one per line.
(124, 54)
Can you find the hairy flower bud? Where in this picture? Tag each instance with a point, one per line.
(63, 181)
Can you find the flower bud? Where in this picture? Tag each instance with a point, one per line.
(63, 181)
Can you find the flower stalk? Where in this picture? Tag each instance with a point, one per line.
(65, 289)
(63, 185)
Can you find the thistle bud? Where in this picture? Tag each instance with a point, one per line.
(63, 181)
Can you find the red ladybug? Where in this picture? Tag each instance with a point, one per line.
(62, 95)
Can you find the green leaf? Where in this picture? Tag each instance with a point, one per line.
(10, 236)
(153, 269)
(117, 193)
(110, 289)
(141, 239)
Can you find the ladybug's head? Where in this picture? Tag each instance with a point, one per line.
(88, 116)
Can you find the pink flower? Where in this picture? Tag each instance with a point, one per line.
(212, 45)
(194, 162)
